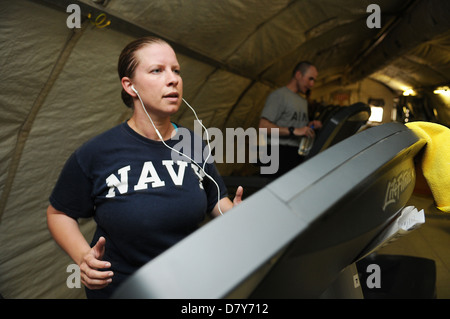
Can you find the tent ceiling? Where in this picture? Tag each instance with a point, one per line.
(262, 39)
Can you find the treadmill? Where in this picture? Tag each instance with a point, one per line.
(298, 237)
(344, 122)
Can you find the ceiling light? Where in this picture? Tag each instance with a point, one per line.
(443, 90)
(409, 92)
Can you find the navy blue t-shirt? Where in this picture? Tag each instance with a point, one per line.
(143, 196)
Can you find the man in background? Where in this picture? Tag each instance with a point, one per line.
(287, 111)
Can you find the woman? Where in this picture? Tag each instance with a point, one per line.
(142, 200)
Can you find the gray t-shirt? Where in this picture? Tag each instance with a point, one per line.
(286, 108)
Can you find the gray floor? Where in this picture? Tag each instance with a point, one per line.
(431, 240)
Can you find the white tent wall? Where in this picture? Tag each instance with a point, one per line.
(52, 113)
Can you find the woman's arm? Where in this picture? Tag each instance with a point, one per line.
(68, 236)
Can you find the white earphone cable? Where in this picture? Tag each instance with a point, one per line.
(182, 154)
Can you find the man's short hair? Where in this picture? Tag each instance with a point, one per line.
(302, 66)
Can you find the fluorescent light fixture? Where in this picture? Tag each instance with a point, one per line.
(409, 92)
(376, 114)
(443, 90)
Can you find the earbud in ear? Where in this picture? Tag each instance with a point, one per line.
(132, 87)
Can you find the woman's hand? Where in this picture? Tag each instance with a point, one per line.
(226, 204)
(91, 268)
(238, 197)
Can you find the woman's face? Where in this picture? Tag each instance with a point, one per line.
(157, 79)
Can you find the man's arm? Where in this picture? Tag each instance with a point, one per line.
(284, 131)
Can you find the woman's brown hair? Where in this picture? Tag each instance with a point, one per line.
(128, 62)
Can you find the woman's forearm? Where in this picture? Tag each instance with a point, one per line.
(67, 234)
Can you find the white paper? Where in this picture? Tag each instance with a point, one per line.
(410, 218)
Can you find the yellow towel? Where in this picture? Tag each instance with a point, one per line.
(435, 160)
